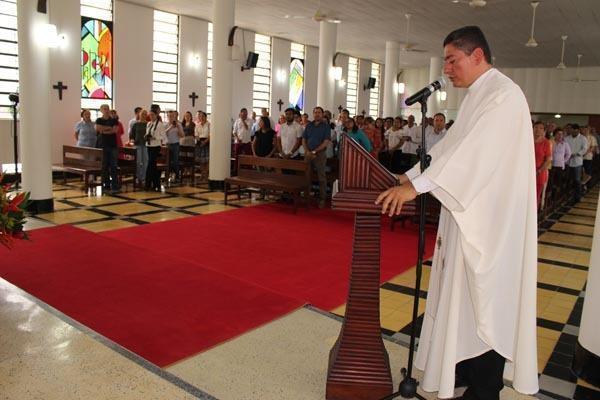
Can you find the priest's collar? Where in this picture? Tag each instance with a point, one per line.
(479, 81)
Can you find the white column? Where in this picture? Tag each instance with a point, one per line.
(35, 89)
(435, 71)
(588, 346)
(325, 80)
(390, 87)
(222, 87)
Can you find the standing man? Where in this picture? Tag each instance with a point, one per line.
(579, 146)
(107, 128)
(290, 136)
(480, 319)
(411, 142)
(241, 133)
(434, 133)
(132, 121)
(315, 139)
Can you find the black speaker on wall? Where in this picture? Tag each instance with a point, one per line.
(251, 61)
(370, 83)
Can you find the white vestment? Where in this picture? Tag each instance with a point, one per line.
(482, 289)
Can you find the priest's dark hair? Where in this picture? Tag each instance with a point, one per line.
(467, 39)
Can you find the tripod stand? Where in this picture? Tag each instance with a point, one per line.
(408, 386)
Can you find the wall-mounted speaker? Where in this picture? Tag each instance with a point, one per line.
(251, 61)
(370, 83)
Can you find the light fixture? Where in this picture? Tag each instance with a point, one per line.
(281, 75)
(443, 95)
(337, 73)
(401, 88)
(557, 116)
(48, 35)
(194, 60)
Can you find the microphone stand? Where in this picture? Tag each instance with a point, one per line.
(408, 386)
(15, 145)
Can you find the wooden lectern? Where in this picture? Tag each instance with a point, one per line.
(359, 367)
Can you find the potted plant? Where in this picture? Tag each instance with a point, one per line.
(12, 214)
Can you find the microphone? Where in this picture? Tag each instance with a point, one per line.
(422, 94)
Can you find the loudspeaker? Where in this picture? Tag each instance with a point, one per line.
(42, 7)
(370, 83)
(251, 61)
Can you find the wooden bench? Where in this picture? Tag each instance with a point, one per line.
(84, 161)
(187, 162)
(288, 176)
(127, 164)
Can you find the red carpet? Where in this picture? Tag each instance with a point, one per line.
(160, 307)
(305, 256)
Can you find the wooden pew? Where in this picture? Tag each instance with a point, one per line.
(84, 161)
(187, 162)
(289, 176)
(127, 163)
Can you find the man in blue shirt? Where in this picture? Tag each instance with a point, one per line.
(315, 139)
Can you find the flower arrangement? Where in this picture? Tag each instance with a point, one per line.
(12, 214)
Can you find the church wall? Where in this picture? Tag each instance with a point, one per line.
(65, 67)
(545, 89)
(280, 73)
(6, 141)
(133, 41)
(364, 73)
(193, 53)
(311, 73)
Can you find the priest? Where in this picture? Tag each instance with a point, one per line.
(480, 318)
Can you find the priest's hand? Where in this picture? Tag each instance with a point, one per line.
(395, 197)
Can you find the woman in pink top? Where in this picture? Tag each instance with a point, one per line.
(543, 157)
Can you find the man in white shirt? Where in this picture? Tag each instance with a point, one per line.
(412, 140)
(241, 133)
(289, 139)
(579, 146)
(394, 140)
(435, 133)
(480, 317)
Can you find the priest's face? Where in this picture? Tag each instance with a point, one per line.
(462, 69)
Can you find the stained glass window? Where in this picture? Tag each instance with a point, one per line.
(296, 97)
(9, 61)
(96, 54)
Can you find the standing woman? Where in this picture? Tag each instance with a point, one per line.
(155, 132)
(202, 133)
(188, 130)
(263, 144)
(138, 133)
(85, 130)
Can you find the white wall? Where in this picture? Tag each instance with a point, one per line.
(65, 66)
(311, 72)
(133, 39)
(6, 141)
(339, 98)
(193, 42)
(280, 76)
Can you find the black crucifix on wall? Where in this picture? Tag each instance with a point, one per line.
(363, 112)
(193, 96)
(60, 87)
(280, 103)
(340, 108)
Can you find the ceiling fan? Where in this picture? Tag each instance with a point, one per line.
(476, 3)
(407, 46)
(531, 42)
(561, 64)
(577, 79)
(318, 16)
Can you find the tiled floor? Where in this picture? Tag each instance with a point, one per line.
(564, 250)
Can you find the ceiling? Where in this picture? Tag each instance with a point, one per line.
(367, 24)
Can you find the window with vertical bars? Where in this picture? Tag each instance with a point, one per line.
(97, 68)
(261, 91)
(374, 92)
(209, 62)
(165, 65)
(9, 61)
(352, 86)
